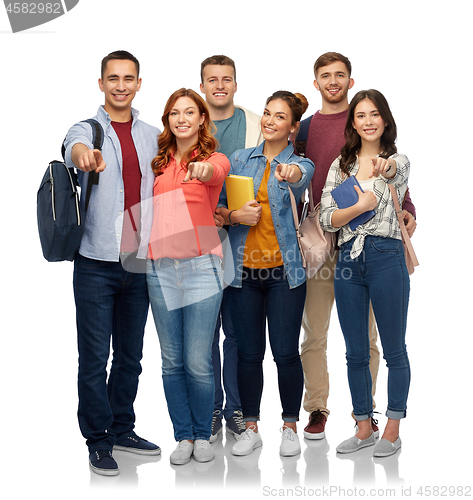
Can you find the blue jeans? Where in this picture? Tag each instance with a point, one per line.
(110, 302)
(378, 274)
(185, 298)
(230, 362)
(265, 295)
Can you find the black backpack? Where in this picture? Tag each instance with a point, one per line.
(60, 218)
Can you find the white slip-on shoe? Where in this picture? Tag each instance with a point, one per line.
(248, 442)
(203, 452)
(290, 445)
(183, 452)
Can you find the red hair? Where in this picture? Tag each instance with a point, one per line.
(206, 142)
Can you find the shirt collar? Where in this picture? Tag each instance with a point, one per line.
(106, 117)
(282, 157)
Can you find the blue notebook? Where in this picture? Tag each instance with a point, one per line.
(346, 196)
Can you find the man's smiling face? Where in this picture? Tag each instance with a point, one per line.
(333, 82)
(218, 85)
(119, 83)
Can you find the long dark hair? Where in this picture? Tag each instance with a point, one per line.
(353, 140)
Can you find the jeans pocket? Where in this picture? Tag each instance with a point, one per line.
(387, 245)
(210, 265)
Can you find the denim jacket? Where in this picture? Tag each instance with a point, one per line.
(252, 163)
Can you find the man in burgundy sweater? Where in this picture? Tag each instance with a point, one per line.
(320, 138)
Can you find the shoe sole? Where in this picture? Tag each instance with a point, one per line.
(358, 448)
(384, 455)
(104, 472)
(290, 453)
(204, 459)
(248, 452)
(180, 461)
(138, 451)
(311, 435)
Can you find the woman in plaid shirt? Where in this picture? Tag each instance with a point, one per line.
(371, 264)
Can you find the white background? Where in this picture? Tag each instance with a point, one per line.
(418, 54)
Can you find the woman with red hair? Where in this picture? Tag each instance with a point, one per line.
(184, 275)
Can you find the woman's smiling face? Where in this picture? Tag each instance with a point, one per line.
(184, 118)
(276, 122)
(368, 122)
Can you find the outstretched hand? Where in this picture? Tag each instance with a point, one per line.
(202, 171)
(91, 159)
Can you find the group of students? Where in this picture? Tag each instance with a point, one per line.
(162, 199)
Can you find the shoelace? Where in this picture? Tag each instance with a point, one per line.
(183, 444)
(103, 454)
(216, 415)
(246, 434)
(238, 417)
(316, 417)
(287, 434)
(202, 444)
(373, 420)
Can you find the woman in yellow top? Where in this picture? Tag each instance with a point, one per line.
(269, 282)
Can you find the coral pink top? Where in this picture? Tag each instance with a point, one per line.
(183, 222)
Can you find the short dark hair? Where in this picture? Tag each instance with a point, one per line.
(220, 60)
(329, 58)
(121, 55)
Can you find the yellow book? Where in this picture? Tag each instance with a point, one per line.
(240, 189)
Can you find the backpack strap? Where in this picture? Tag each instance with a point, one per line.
(97, 139)
(97, 134)
(301, 139)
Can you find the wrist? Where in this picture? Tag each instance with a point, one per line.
(231, 221)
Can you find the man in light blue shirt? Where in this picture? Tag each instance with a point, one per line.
(111, 301)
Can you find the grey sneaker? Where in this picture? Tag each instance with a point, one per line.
(355, 444)
(183, 452)
(216, 425)
(235, 424)
(203, 451)
(385, 448)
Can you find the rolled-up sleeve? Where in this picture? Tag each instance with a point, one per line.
(80, 133)
(402, 171)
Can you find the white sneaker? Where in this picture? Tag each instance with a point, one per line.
(183, 452)
(290, 445)
(248, 442)
(203, 451)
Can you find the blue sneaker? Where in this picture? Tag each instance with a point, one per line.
(235, 424)
(101, 462)
(134, 444)
(216, 425)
